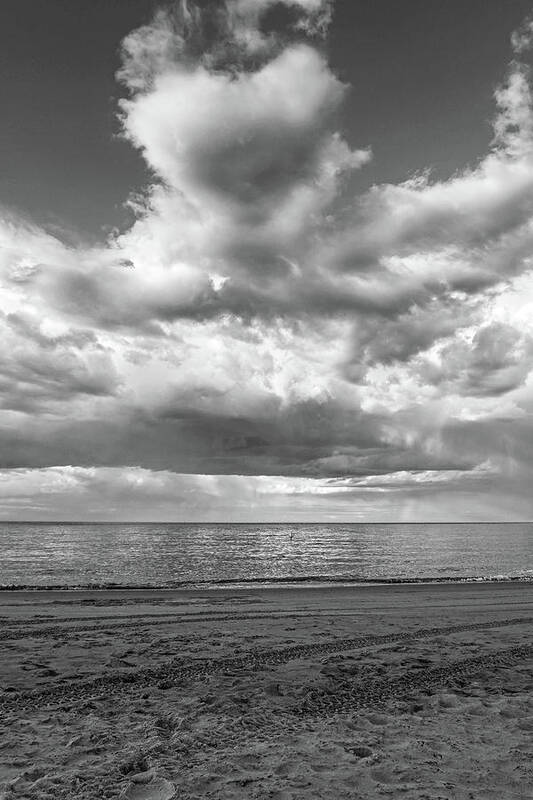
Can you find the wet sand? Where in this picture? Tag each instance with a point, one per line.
(418, 691)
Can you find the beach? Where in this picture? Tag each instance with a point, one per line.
(281, 692)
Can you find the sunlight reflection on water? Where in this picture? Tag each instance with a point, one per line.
(158, 554)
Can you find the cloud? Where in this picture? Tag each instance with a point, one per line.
(521, 38)
(411, 478)
(253, 178)
(258, 335)
(59, 493)
(495, 361)
(38, 370)
(230, 35)
(250, 165)
(240, 139)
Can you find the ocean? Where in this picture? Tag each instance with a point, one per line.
(168, 555)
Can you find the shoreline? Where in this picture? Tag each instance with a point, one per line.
(267, 583)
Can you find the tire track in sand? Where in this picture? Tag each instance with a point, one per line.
(177, 671)
(14, 629)
(367, 691)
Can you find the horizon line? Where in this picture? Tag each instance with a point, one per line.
(260, 522)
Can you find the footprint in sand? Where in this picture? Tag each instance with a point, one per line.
(156, 789)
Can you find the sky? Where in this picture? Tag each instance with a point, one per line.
(266, 261)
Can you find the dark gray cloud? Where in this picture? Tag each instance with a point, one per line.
(39, 371)
(496, 361)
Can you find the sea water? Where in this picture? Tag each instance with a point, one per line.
(80, 554)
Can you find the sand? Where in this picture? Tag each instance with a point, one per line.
(341, 692)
